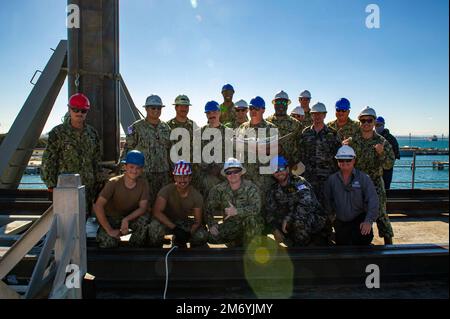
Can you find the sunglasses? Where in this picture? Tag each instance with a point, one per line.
(241, 110)
(369, 121)
(153, 108)
(232, 172)
(379, 124)
(281, 169)
(345, 160)
(341, 111)
(78, 111)
(252, 108)
(281, 102)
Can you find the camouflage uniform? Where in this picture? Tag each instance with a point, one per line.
(234, 124)
(297, 204)
(248, 222)
(72, 151)
(207, 175)
(227, 114)
(348, 130)
(156, 232)
(368, 161)
(317, 151)
(154, 143)
(307, 120)
(188, 125)
(263, 181)
(288, 145)
(138, 236)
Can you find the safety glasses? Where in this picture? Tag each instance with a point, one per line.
(281, 102)
(241, 110)
(341, 111)
(281, 169)
(368, 121)
(253, 108)
(345, 160)
(232, 172)
(79, 111)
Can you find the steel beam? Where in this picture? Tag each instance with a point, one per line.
(18, 144)
(93, 54)
(128, 111)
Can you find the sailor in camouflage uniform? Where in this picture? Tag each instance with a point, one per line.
(151, 136)
(207, 175)
(304, 99)
(374, 154)
(171, 215)
(263, 181)
(292, 209)
(344, 125)
(181, 120)
(238, 201)
(227, 111)
(122, 205)
(74, 148)
(241, 110)
(289, 129)
(318, 145)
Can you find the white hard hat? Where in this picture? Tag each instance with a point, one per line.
(153, 100)
(345, 152)
(368, 111)
(319, 108)
(306, 94)
(232, 163)
(241, 104)
(281, 95)
(182, 100)
(298, 110)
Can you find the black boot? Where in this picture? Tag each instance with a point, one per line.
(388, 240)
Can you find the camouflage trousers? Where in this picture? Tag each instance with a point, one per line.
(325, 236)
(156, 232)
(383, 222)
(138, 236)
(156, 181)
(238, 230)
(301, 234)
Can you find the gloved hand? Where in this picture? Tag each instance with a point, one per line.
(181, 236)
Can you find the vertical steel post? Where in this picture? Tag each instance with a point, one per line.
(93, 54)
(413, 170)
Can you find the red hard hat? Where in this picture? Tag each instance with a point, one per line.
(79, 101)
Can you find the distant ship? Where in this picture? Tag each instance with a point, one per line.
(434, 138)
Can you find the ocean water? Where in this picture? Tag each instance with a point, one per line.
(425, 175)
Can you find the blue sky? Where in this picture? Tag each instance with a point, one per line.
(169, 47)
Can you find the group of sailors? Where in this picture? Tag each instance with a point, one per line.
(312, 183)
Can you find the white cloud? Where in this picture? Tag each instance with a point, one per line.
(199, 18)
(194, 4)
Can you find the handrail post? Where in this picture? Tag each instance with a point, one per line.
(69, 200)
(413, 170)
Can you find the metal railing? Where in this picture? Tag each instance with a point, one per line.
(413, 167)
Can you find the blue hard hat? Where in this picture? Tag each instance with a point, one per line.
(227, 87)
(258, 102)
(343, 104)
(134, 157)
(380, 119)
(212, 106)
(277, 162)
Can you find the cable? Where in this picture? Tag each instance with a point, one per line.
(167, 271)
